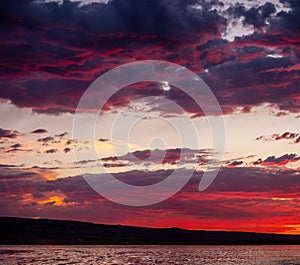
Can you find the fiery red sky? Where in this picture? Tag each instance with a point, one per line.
(246, 51)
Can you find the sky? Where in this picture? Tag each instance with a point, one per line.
(247, 52)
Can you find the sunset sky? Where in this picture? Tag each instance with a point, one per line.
(247, 52)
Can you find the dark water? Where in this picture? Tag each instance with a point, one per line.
(243, 255)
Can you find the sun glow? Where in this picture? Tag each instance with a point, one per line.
(54, 200)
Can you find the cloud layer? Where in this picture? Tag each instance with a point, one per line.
(239, 197)
(59, 49)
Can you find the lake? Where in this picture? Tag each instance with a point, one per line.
(183, 255)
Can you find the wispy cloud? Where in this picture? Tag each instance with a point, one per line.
(292, 137)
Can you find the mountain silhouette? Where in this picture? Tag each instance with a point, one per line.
(60, 232)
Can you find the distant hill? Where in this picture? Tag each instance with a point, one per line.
(45, 231)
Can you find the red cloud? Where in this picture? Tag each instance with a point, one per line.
(60, 59)
(235, 201)
(235, 163)
(279, 161)
(293, 137)
(160, 157)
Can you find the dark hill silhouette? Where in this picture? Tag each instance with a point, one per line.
(59, 232)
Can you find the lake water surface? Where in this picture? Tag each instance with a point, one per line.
(121, 255)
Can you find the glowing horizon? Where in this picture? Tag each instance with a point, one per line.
(248, 55)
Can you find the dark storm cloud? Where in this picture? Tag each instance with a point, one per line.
(255, 16)
(53, 96)
(260, 80)
(70, 44)
(165, 23)
(289, 21)
(283, 23)
(166, 19)
(263, 79)
(50, 52)
(283, 29)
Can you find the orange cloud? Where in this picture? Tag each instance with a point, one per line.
(46, 175)
(54, 200)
